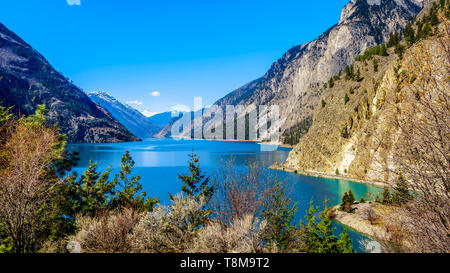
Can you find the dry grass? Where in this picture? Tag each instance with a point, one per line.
(245, 235)
(107, 232)
(167, 229)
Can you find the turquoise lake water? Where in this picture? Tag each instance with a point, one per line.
(158, 161)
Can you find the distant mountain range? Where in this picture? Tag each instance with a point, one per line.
(27, 80)
(167, 120)
(295, 82)
(158, 125)
(161, 119)
(132, 119)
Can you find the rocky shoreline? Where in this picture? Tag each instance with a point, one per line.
(377, 184)
(360, 221)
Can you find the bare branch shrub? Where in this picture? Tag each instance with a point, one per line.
(167, 229)
(239, 192)
(245, 235)
(370, 215)
(418, 121)
(25, 186)
(422, 151)
(107, 232)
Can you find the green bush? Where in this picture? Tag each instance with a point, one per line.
(401, 194)
(349, 73)
(399, 50)
(387, 197)
(331, 83)
(394, 39)
(375, 65)
(346, 98)
(317, 234)
(347, 201)
(293, 135)
(380, 50)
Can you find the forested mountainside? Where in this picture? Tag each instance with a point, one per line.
(28, 80)
(388, 111)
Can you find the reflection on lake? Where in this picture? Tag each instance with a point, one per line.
(158, 161)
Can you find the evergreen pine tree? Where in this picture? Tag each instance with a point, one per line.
(375, 65)
(130, 193)
(347, 201)
(401, 193)
(39, 116)
(394, 39)
(196, 184)
(346, 98)
(317, 234)
(409, 34)
(331, 83)
(351, 197)
(344, 199)
(387, 198)
(92, 192)
(383, 50)
(279, 213)
(5, 117)
(348, 73)
(358, 75)
(345, 244)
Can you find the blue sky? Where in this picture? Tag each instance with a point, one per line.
(178, 48)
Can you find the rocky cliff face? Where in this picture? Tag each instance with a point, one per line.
(29, 80)
(359, 127)
(132, 119)
(295, 81)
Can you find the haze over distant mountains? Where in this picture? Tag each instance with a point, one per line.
(27, 80)
(132, 119)
(294, 82)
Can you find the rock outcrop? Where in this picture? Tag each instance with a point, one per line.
(295, 81)
(364, 127)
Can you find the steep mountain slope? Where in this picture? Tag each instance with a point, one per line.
(366, 126)
(166, 120)
(295, 81)
(166, 131)
(161, 119)
(131, 118)
(29, 80)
